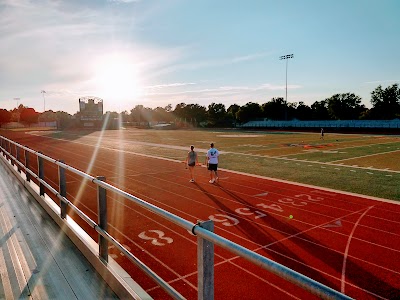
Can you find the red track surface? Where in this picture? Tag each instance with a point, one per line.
(347, 242)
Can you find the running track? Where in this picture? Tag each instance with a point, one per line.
(345, 241)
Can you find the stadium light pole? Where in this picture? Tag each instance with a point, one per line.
(17, 99)
(44, 100)
(286, 57)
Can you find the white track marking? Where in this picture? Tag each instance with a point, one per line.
(362, 156)
(346, 252)
(337, 223)
(261, 195)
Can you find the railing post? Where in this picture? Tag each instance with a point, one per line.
(41, 173)
(205, 264)
(102, 219)
(6, 149)
(18, 157)
(28, 176)
(63, 190)
(9, 150)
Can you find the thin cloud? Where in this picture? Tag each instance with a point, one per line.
(123, 1)
(229, 89)
(272, 87)
(177, 84)
(382, 81)
(250, 57)
(213, 63)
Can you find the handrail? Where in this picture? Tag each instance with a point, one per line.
(297, 278)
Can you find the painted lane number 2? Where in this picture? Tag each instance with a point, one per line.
(224, 219)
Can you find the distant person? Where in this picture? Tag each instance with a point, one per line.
(212, 163)
(191, 162)
(322, 134)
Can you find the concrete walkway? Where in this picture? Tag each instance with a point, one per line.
(37, 260)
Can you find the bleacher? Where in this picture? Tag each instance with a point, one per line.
(389, 124)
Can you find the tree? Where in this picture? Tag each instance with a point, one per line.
(136, 113)
(179, 110)
(249, 112)
(124, 116)
(216, 114)
(5, 116)
(345, 106)
(29, 116)
(303, 112)
(386, 103)
(320, 110)
(65, 120)
(48, 116)
(232, 111)
(195, 114)
(276, 109)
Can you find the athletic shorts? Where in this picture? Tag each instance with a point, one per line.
(191, 164)
(212, 167)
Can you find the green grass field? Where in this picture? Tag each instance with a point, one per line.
(359, 163)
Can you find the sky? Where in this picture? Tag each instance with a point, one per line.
(155, 53)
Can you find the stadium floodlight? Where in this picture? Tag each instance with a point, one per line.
(44, 100)
(18, 114)
(286, 57)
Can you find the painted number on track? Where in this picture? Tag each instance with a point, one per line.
(246, 212)
(309, 198)
(275, 207)
(115, 256)
(224, 219)
(292, 202)
(159, 240)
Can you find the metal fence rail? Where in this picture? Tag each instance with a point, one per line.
(206, 238)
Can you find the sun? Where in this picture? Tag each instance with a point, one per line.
(116, 78)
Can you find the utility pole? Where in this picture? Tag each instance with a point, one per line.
(17, 99)
(44, 100)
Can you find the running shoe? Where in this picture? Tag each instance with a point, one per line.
(191, 180)
(211, 181)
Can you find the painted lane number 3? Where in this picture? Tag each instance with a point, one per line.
(159, 240)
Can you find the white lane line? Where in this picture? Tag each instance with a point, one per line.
(337, 223)
(346, 252)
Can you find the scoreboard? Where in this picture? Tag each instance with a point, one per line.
(91, 111)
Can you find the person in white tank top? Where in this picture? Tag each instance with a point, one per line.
(191, 162)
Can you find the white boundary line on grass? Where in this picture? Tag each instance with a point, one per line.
(362, 156)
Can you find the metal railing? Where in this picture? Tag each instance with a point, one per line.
(206, 238)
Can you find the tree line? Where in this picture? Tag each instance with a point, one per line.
(347, 106)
